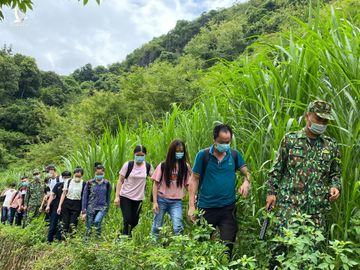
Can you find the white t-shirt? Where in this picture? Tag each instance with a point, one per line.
(53, 181)
(75, 189)
(8, 197)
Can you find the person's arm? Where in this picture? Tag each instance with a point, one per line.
(244, 188)
(155, 189)
(62, 198)
(108, 193)
(85, 199)
(43, 202)
(335, 175)
(156, 178)
(193, 189)
(276, 173)
(119, 184)
(51, 198)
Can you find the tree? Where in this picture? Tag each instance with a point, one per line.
(9, 78)
(30, 78)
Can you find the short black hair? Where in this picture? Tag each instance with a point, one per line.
(13, 185)
(221, 127)
(140, 148)
(79, 169)
(66, 173)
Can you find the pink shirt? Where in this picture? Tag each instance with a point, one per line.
(133, 187)
(16, 200)
(173, 191)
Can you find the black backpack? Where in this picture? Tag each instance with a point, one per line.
(131, 166)
(205, 162)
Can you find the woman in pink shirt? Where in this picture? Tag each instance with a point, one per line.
(130, 189)
(170, 179)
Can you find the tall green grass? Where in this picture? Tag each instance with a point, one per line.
(262, 95)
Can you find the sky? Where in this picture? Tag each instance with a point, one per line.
(63, 35)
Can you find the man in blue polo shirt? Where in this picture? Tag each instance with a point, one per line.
(214, 181)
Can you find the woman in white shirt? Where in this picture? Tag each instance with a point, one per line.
(70, 202)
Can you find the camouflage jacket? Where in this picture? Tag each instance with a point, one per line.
(34, 194)
(302, 174)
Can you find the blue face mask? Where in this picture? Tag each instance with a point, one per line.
(99, 177)
(139, 159)
(24, 184)
(317, 128)
(179, 155)
(223, 147)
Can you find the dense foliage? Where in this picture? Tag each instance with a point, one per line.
(262, 90)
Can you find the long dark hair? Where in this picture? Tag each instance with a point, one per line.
(170, 164)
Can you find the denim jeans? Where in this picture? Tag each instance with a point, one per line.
(54, 227)
(12, 215)
(94, 218)
(5, 211)
(174, 208)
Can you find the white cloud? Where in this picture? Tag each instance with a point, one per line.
(64, 35)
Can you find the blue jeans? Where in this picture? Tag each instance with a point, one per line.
(174, 208)
(94, 218)
(54, 227)
(5, 211)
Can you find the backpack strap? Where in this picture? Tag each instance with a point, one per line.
(205, 162)
(129, 169)
(68, 183)
(148, 168)
(14, 196)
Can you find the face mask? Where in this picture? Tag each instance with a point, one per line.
(37, 177)
(223, 147)
(99, 177)
(77, 179)
(24, 184)
(317, 128)
(179, 155)
(139, 159)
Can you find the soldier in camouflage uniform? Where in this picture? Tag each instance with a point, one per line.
(33, 198)
(305, 176)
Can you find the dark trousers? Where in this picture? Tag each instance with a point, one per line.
(5, 211)
(70, 212)
(225, 219)
(131, 211)
(54, 228)
(12, 215)
(19, 217)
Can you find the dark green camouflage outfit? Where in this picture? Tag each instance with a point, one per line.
(303, 173)
(33, 199)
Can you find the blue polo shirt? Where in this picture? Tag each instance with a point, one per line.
(217, 185)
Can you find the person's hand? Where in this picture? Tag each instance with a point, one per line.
(117, 201)
(155, 208)
(47, 209)
(334, 194)
(191, 213)
(26, 208)
(244, 188)
(270, 200)
(58, 211)
(83, 217)
(40, 209)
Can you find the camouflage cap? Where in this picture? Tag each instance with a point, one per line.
(321, 108)
(36, 171)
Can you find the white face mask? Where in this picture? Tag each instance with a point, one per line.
(317, 128)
